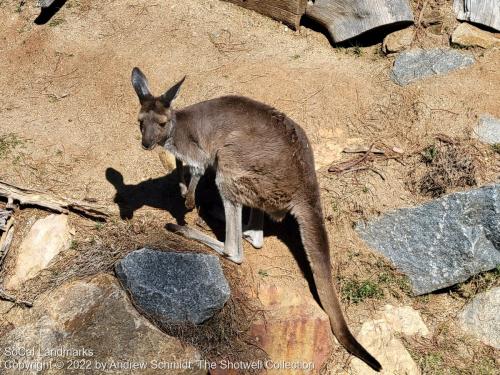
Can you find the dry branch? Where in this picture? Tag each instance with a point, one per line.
(6, 239)
(57, 204)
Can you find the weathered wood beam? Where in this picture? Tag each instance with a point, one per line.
(347, 19)
(286, 11)
(483, 12)
(57, 204)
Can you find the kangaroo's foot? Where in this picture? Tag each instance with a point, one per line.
(253, 232)
(219, 247)
(255, 237)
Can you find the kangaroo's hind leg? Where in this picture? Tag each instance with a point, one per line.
(253, 232)
(232, 247)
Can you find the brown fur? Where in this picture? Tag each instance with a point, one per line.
(262, 160)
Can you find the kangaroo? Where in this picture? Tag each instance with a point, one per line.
(262, 159)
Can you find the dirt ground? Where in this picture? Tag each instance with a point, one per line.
(68, 121)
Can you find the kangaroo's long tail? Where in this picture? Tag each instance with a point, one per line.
(315, 241)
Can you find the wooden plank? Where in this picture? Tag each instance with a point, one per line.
(286, 11)
(483, 12)
(347, 19)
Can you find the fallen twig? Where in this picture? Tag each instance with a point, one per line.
(341, 167)
(6, 239)
(7, 297)
(63, 205)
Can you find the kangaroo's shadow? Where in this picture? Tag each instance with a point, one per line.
(162, 193)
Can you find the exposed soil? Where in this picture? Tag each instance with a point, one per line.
(68, 125)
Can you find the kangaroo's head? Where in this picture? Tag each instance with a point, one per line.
(155, 115)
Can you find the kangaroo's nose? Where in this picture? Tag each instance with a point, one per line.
(148, 146)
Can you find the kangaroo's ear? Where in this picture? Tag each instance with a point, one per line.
(140, 84)
(168, 97)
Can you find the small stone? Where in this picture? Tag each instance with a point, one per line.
(398, 40)
(45, 3)
(481, 317)
(466, 35)
(174, 287)
(405, 320)
(488, 129)
(441, 242)
(379, 339)
(46, 238)
(418, 63)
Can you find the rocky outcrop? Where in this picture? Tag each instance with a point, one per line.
(405, 320)
(481, 317)
(46, 238)
(417, 63)
(379, 339)
(91, 323)
(442, 242)
(174, 287)
(294, 328)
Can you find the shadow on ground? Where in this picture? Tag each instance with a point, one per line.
(163, 193)
(47, 13)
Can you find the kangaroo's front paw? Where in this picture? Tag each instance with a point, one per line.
(183, 189)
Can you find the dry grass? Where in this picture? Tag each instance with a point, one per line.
(441, 167)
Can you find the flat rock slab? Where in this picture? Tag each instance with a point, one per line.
(488, 129)
(174, 287)
(442, 242)
(90, 323)
(419, 63)
(481, 317)
(45, 240)
(380, 340)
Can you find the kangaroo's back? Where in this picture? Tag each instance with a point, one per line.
(263, 158)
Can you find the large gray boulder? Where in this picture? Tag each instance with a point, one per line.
(174, 287)
(419, 63)
(442, 242)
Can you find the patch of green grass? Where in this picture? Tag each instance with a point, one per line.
(496, 147)
(20, 6)
(357, 291)
(487, 366)
(73, 244)
(295, 57)
(98, 225)
(8, 142)
(429, 154)
(431, 363)
(56, 22)
(263, 273)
